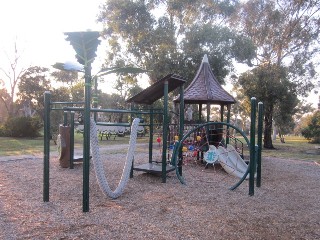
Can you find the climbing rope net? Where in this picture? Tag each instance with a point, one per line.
(98, 164)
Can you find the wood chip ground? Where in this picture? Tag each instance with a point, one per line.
(286, 206)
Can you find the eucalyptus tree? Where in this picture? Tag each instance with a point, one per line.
(67, 77)
(286, 34)
(76, 91)
(284, 113)
(33, 83)
(241, 110)
(172, 36)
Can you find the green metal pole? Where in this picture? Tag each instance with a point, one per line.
(200, 110)
(260, 127)
(165, 133)
(220, 130)
(71, 139)
(131, 113)
(65, 118)
(207, 127)
(252, 146)
(181, 115)
(221, 113)
(228, 121)
(95, 98)
(86, 139)
(151, 134)
(46, 148)
(131, 120)
(181, 126)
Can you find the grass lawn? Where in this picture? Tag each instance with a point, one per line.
(27, 146)
(293, 148)
(20, 146)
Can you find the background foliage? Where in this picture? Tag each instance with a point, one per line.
(312, 130)
(22, 127)
(277, 41)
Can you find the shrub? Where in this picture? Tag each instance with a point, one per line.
(2, 131)
(312, 131)
(22, 127)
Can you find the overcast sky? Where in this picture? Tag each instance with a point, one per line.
(38, 25)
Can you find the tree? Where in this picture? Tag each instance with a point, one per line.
(12, 76)
(68, 77)
(284, 114)
(176, 39)
(285, 33)
(77, 92)
(33, 83)
(241, 109)
(270, 85)
(72, 84)
(299, 117)
(4, 99)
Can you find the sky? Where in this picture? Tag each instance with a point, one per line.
(37, 26)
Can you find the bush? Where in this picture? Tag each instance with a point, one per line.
(2, 131)
(312, 131)
(22, 127)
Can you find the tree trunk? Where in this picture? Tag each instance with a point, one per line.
(267, 140)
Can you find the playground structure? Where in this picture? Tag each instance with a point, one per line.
(189, 140)
(168, 83)
(225, 154)
(209, 131)
(200, 137)
(148, 96)
(200, 142)
(85, 45)
(199, 132)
